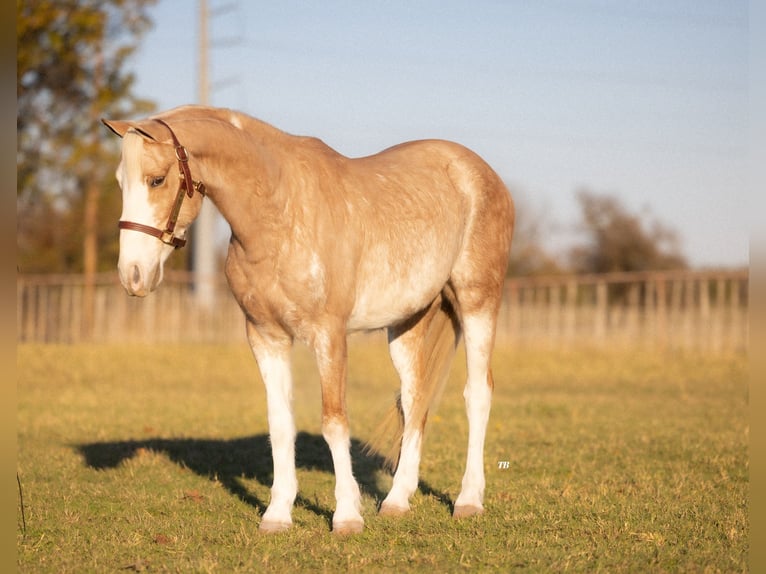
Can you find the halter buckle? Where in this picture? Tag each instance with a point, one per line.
(181, 154)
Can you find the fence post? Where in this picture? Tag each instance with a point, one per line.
(602, 311)
(554, 315)
(633, 322)
(662, 319)
(690, 310)
(676, 310)
(571, 310)
(735, 313)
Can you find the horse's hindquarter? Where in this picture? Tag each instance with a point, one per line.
(413, 218)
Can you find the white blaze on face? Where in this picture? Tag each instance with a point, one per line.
(142, 256)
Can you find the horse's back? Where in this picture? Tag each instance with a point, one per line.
(441, 170)
(440, 184)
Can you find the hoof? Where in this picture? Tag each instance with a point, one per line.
(468, 510)
(347, 527)
(392, 510)
(274, 527)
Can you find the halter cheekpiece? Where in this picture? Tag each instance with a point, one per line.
(186, 187)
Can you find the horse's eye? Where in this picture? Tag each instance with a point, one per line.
(157, 181)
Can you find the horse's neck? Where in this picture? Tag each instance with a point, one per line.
(241, 171)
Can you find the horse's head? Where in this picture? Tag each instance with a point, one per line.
(155, 208)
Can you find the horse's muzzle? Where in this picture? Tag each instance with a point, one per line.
(138, 282)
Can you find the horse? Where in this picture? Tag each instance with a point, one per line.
(414, 240)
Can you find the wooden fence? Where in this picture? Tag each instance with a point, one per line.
(670, 310)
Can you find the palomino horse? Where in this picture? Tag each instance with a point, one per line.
(414, 239)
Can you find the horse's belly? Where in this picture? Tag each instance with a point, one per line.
(389, 298)
(378, 308)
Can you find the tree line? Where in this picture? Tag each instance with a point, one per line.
(609, 237)
(72, 70)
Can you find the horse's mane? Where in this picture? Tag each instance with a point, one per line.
(231, 117)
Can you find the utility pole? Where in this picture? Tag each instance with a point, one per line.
(203, 240)
(92, 199)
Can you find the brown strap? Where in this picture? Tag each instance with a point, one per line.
(183, 165)
(183, 160)
(164, 236)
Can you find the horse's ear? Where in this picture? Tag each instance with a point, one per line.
(121, 128)
(118, 127)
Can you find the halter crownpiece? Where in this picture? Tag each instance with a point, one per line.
(186, 187)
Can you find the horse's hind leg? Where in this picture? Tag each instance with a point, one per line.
(421, 350)
(479, 330)
(405, 346)
(477, 279)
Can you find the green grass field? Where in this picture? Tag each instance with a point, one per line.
(157, 460)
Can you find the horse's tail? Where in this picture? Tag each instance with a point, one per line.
(442, 335)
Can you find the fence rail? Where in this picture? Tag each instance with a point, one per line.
(684, 310)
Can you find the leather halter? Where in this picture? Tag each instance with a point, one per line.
(186, 187)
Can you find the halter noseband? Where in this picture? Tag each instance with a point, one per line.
(187, 186)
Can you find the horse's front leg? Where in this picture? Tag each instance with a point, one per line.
(273, 356)
(330, 350)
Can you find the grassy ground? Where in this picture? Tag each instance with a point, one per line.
(141, 459)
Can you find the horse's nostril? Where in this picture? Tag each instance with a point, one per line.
(135, 276)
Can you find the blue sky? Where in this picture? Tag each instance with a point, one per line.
(646, 100)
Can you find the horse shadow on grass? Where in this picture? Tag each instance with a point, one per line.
(231, 461)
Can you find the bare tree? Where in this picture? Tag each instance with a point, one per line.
(617, 240)
(529, 253)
